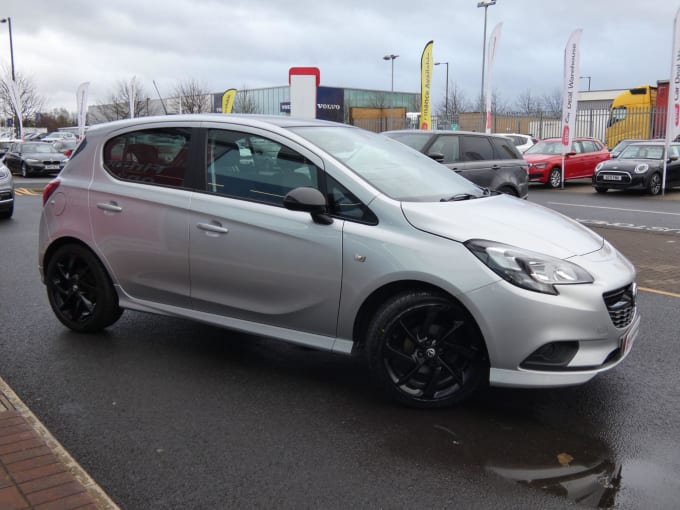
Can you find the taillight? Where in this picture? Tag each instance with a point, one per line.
(49, 189)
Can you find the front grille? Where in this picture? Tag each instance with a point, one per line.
(621, 305)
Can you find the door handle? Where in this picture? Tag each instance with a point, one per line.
(111, 207)
(213, 228)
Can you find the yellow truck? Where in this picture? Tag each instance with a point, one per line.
(638, 113)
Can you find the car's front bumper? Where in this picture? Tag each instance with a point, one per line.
(596, 323)
(6, 198)
(627, 180)
(616, 352)
(44, 168)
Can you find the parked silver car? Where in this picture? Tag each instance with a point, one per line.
(6, 192)
(332, 237)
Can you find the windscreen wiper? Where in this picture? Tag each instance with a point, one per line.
(458, 197)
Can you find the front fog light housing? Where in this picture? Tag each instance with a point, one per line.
(527, 269)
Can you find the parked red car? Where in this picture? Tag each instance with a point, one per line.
(545, 160)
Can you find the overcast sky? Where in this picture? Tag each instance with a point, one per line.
(253, 43)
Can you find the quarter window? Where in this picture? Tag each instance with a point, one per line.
(504, 149)
(155, 156)
(343, 204)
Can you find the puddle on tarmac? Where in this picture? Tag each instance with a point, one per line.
(558, 462)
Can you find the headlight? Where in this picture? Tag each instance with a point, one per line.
(598, 166)
(526, 269)
(540, 165)
(4, 172)
(641, 168)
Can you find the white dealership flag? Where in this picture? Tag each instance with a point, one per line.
(673, 112)
(81, 105)
(570, 90)
(493, 43)
(15, 98)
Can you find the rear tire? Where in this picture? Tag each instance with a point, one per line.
(80, 291)
(554, 178)
(5, 215)
(426, 351)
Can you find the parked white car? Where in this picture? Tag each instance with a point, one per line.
(522, 142)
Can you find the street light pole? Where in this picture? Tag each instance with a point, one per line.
(485, 4)
(446, 100)
(8, 20)
(391, 57)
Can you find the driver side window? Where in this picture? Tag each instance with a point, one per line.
(250, 167)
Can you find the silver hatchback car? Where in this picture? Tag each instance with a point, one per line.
(336, 238)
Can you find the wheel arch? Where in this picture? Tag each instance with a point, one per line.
(63, 241)
(380, 295)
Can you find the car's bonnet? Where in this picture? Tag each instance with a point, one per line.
(507, 220)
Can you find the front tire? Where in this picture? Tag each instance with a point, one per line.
(24, 170)
(80, 291)
(426, 351)
(601, 190)
(654, 186)
(554, 178)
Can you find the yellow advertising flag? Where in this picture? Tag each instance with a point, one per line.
(228, 100)
(426, 66)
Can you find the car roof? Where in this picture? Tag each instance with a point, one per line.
(576, 139)
(440, 132)
(245, 119)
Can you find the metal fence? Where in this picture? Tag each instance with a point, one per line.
(592, 123)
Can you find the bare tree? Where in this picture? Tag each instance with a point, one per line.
(527, 103)
(552, 103)
(499, 106)
(244, 102)
(117, 105)
(458, 101)
(191, 96)
(31, 101)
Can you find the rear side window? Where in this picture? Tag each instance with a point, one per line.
(590, 146)
(504, 148)
(152, 156)
(477, 148)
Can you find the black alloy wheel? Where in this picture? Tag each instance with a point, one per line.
(426, 351)
(555, 178)
(80, 291)
(654, 186)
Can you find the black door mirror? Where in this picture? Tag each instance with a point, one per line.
(437, 156)
(309, 200)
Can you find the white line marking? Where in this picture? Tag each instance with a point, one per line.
(614, 208)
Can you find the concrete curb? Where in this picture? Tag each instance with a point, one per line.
(10, 402)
